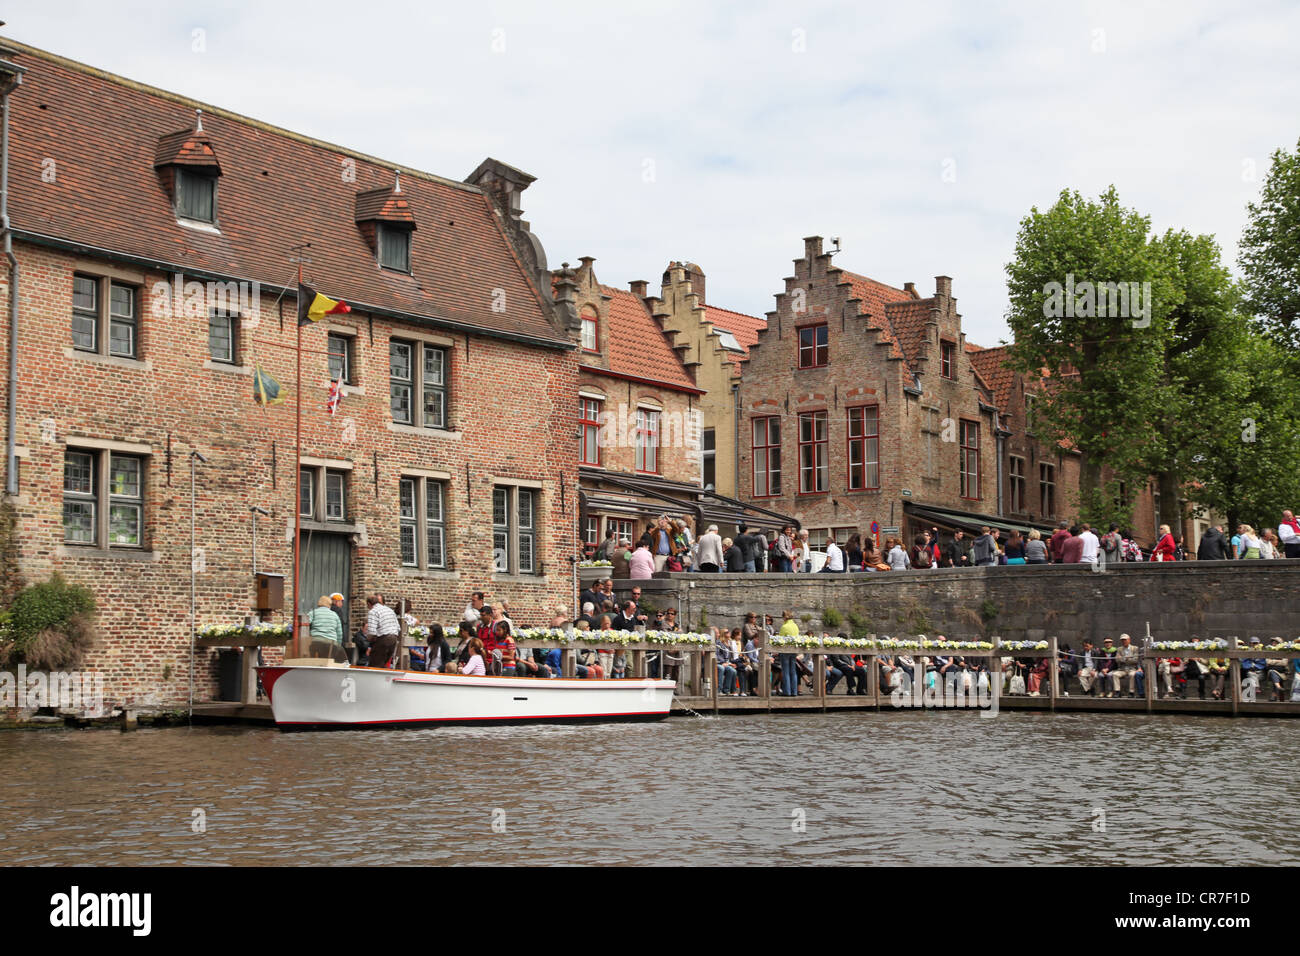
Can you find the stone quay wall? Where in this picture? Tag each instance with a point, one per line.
(1205, 599)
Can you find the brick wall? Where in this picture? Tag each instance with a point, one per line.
(511, 418)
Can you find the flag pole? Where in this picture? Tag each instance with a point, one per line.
(295, 636)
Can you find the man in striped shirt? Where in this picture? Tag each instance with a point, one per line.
(382, 630)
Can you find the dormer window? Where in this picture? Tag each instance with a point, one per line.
(394, 247)
(188, 169)
(196, 196)
(386, 222)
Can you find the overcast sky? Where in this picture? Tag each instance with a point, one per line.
(918, 133)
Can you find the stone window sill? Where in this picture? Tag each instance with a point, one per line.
(520, 578)
(430, 575)
(109, 554)
(424, 432)
(212, 366)
(99, 358)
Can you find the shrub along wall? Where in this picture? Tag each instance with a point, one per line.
(1071, 602)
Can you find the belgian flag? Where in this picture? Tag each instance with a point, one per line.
(312, 306)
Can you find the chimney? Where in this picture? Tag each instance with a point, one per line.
(812, 247)
(695, 276)
(943, 286)
(565, 300)
(910, 289)
(584, 271)
(638, 287)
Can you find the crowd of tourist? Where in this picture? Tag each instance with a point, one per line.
(669, 544)
(486, 645)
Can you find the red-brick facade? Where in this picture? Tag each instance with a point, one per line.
(509, 377)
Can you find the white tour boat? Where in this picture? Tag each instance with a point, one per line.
(321, 696)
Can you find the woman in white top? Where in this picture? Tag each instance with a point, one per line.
(475, 663)
(897, 556)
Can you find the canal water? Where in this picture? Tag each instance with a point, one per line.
(888, 788)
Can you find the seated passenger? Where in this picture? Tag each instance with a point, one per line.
(475, 663)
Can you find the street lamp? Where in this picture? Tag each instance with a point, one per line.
(195, 455)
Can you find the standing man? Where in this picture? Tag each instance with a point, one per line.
(746, 543)
(473, 608)
(663, 543)
(382, 630)
(1091, 546)
(591, 595)
(1057, 541)
(710, 550)
(1072, 549)
(984, 550)
(1213, 546)
(954, 552)
(1288, 532)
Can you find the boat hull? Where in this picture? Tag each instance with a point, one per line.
(351, 698)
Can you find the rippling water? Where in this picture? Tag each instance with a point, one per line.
(871, 788)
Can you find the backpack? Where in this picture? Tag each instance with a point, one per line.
(1110, 543)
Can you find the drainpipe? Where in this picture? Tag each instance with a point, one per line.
(735, 446)
(11, 76)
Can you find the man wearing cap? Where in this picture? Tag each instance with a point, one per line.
(1128, 661)
(1106, 658)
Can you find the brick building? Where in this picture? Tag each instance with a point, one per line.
(860, 404)
(155, 276)
(717, 341)
(637, 404)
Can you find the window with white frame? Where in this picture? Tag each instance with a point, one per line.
(647, 440)
(589, 430)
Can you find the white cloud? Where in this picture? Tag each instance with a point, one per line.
(755, 145)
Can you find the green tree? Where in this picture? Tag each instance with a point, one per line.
(1105, 365)
(1198, 390)
(1243, 464)
(1270, 251)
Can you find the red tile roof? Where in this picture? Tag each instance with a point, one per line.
(745, 328)
(908, 320)
(278, 189)
(990, 365)
(638, 347)
(385, 204)
(186, 148)
(874, 297)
